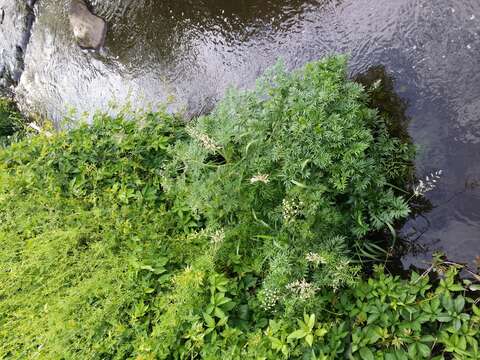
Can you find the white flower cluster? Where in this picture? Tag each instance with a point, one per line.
(270, 299)
(260, 178)
(205, 140)
(218, 236)
(428, 184)
(315, 258)
(290, 209)
(302, 288)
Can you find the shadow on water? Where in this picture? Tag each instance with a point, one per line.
(393, 108)
(389, 104)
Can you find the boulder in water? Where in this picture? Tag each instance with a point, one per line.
(89, 29)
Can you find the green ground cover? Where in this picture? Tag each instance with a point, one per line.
(239, 235)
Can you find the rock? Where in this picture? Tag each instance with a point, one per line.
(88, 29)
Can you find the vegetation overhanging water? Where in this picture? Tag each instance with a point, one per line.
(193, 50)
(243, 234)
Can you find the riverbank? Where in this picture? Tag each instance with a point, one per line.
(187, 54)
(243, 234)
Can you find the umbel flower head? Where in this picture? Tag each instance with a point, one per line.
(302, 288)
(260, 178)
(315, 258)
(207, 142)
(270, 299)
(290, 209)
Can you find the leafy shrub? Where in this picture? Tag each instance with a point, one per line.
(299, 165)
(85, 239)
(413, 320)
(384, 317)
(227, 238)
(10, 119)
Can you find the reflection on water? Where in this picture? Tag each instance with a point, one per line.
(193, 50)
(386, 100)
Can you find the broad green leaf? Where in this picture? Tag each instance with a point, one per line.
(311, 321)
(427, 339)
(457, 324)
(462, 343)
(390, 356)
(298, 334)
(474, 287)
(423, 349)
(320, 332)
(366, 354)
(276, 343)
(209, 320)
(223, 321)
(412, 351)
(219, 313)
(459, 304)
(456, 287)
(309, 339)
(444, 317)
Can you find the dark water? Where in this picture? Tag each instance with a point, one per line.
(189, 51)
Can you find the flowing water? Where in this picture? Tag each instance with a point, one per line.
(188, 52)
(16, 17)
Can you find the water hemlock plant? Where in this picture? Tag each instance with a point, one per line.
(299, 165)
(232, 237)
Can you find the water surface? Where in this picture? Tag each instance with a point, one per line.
(15, 19)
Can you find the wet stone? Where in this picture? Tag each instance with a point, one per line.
(89, 30)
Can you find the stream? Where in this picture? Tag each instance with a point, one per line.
(188, 52)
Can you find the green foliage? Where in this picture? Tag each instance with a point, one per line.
(299, 165)
(229, 238)
(86, 241)
(413, 320)
(11, 121)
(382, 318)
